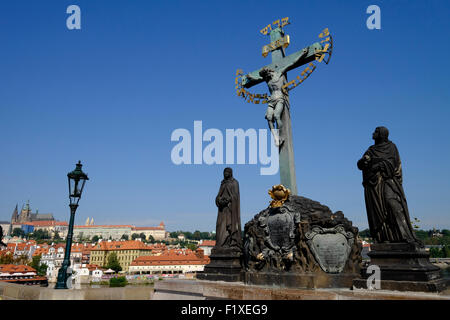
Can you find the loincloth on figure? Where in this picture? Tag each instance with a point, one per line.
(273, 102)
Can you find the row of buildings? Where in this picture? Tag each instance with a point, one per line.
(21, 274)
(134, 256)
(29, 222)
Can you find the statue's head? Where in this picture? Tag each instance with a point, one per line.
(380, 134)
(228, 173)
(266, 73)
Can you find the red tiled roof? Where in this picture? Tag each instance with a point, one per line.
(148, 228)
(77, 247)
(160, 227)
(49, 223)
(171, 258)
(40, 251)
(122, 245)
(105, 226)
(12, 268)
(208, 243)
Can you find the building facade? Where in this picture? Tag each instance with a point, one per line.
(207, 246)
(20, 274)
(158, 233)
(126, 251)
(170, 262)
(115, 232)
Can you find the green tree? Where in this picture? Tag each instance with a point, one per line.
(118, 282)
(39, 235)
(7, 258)
(142, 236)
(134, 236)
(446, 251)
(95, 238)
(191, 246)
(205, 235)
(23, 259)
(18, 232)
(196, 235)
(56, 236)
(151, 239)
(435, 253)
(364, 233)
(124, 237)
(113, 263)
(41, 269)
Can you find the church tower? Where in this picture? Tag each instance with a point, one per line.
(15, 215)
(14, 219)
(25, 213)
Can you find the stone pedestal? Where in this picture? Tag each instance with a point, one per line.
(403, 267)
(225, 265)
(300, 280)
(181, 289)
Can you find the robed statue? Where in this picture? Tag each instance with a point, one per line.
(228, 226)
(387, 210)
(1, 238)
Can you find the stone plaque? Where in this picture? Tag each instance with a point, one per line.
(281, 229)
(331, 247)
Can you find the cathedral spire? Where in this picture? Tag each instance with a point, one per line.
(15, 214)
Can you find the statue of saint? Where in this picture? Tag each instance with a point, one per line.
(228, 226)
(386, 206)
(1, 238)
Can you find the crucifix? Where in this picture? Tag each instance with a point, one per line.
(278, 107)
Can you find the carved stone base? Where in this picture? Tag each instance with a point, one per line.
(416, 286)
(225, 265)
(300, 280)
(403, 267)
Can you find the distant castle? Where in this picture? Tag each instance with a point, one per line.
(27, 216)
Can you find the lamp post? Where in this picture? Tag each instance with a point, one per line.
(77, 178)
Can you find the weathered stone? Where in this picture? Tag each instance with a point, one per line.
(403, 267)
(225, 265)
(212, 290)
(10, 291)
(331, 247)
(302, 240)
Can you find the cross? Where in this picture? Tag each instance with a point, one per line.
(280, 65)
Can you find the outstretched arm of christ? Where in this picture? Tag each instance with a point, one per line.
(251, 79)
(288, 63)
(294, 60)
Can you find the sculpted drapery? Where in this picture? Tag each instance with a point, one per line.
(387, 209)
(228, 226)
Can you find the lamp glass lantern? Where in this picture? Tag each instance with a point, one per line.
(76, 178)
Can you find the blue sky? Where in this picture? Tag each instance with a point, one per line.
(111, 94)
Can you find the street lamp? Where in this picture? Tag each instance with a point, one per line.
(77, 178)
